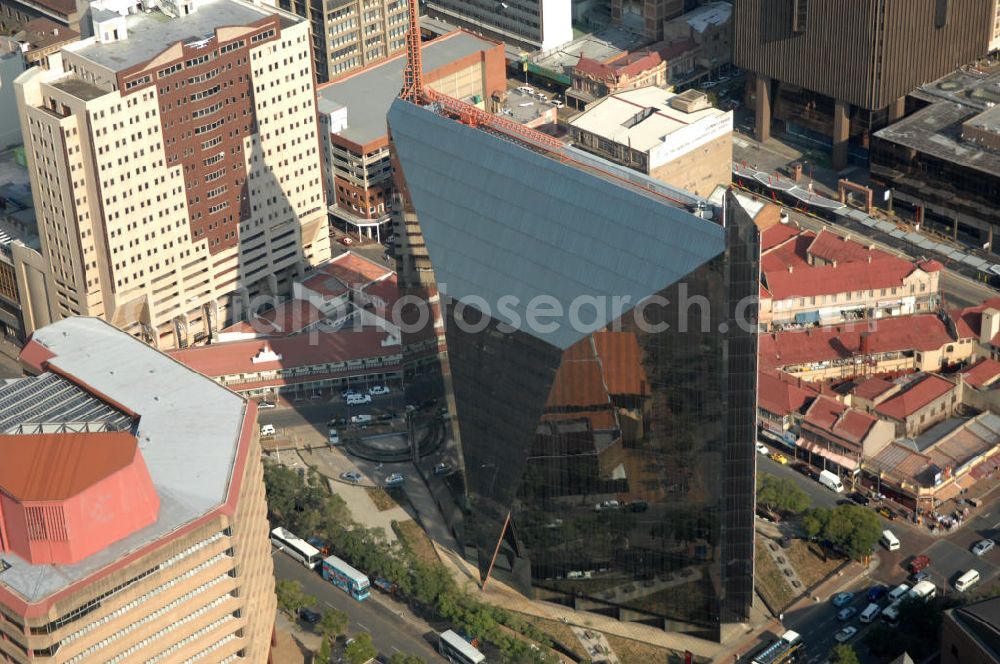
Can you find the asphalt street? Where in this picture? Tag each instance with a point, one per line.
(390, 634)
(950, 556)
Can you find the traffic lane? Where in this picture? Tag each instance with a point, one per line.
(317, 414)
(949, 561)
(389, 633)
(818, 623)
(820, 495)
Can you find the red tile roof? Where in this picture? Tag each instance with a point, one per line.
(291, 316)
(782, 394)
(354, 270)
(931, 266)
(915, 397)
(983, 373)
(921, 332)
(777, 234)
(832, 247)
(57, 466)
(235, 357)
(969, 320)
(830, 415)
(387, 290)
(872, 388)
(325, 285)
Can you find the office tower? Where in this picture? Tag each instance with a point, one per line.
(529, 24)
(351, 34)
(836, 73)
(132, 515)
(607, 450)
(175, 166)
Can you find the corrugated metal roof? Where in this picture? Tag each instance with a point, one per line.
(521, 224)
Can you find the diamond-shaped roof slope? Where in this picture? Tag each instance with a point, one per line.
(501, 220)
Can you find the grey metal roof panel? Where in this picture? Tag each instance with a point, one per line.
(369, 93)
(501, 220)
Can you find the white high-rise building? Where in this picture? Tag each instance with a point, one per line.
(175, 166)
(534, 24)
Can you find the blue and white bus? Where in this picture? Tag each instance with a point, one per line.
(299, 549)
(345, 577)
(457, 650)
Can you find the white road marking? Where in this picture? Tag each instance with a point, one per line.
(363, 627)
(329, 605)
(395, 648)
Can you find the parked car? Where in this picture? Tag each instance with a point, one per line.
(333, 438)
(887, 513)
(919, 563)
(637, 506)
(557, 103)
(309, 616)
(351, 476)
(846, 613)
(526, 90)
(385, 417)
(762, 449)
(842, 599)
(263, 405)
(846, 634)
(806, 470)
(378, 390)
(349, 392)
(346, 241)
(607, 505)
(396, 479)
(358, 399)
(778, 457)
(982, 546)
(914, 579)
(336, 422)
(877, 593)
(442, 468)
(859, 498)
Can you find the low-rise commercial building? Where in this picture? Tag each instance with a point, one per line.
(679, 139)
(133, 523)
(942, 162)
(71, 14)
(357, 169)
(593, 79)
(40, 38)
(834, 433)
(899, 345)
(823, 278)
(922, 402)
(782, 401)
(709, 32)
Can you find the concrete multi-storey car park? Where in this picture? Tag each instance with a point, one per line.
(175, 167)
(132, 514)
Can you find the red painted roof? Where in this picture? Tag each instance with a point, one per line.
(969, 320)
(325, 285)
(915, 397)
(629, 65)
(931, 266)
(291, 316)
(832, 416)
(234, 357)
(354, 270)
(832, 247)
(782, 394)
(920, 332)
(871, 388)
(777, 234)
(57, 466)
(983, 373)
(387, 290)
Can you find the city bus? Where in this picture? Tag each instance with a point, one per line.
(345, 577)
(782, 651)
(457, 650)
(299, 549)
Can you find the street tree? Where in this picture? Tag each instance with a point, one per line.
(291, 597)
(781, 494)
(850, 529)
(333, 623)
(360, 650)
(324, 652)
(843, 654)
(401, 658)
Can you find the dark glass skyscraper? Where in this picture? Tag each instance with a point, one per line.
(602, 360)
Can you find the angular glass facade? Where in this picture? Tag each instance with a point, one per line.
(608, 464)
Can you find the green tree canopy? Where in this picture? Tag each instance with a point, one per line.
(843, 654)
(849, 528)
(781, 494)
(324, 652)
(333, 623)
(360, 650)
(291, 597)
(400, 658)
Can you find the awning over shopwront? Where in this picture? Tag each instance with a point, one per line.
(807, 317)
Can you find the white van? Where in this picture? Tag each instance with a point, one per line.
(890, 541)
(361, 419)
(967, 580)
(898, 592)
(267, 430)
(831, 481)
(870, 613)
(334, 437)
